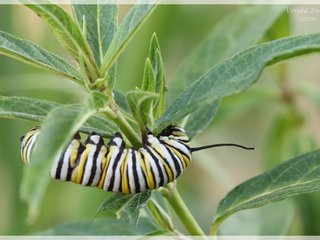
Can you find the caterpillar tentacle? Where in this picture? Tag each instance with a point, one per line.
(221, 145)
(112, 166)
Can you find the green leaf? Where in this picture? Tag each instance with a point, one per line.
(295, 176)
(61, 24)
(225, 40)
(112, 75)
(67, 32)
(160, 216)
(154, 81)
(128, 27)
(200, 119)
(159, 76)
(125, 206)
(97, 124)
(140, 103)
(36, 110)
(281, 27)
(236, 74)
(234, 33)
(121, 100)
(25, 108)
(56, 132)
(101, 25)
(148, 83)
(102, 226)
(261, 221)
(31, 53)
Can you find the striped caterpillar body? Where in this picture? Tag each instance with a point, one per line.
(113, 167)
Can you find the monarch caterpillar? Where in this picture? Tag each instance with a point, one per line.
(113, 167)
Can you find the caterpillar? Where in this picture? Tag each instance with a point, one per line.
(113, 167)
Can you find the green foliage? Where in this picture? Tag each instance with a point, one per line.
(30, 53)
(227, 62)
(148, 83)
(160, 216)
(224, 41)
(295, 176)
(63, 27)
(140, 103)
(121, 100)
(126, 30)
(125, 206)
(25, 108)
(100, 23)
(158, 76)
(236, 74)
(36, 110)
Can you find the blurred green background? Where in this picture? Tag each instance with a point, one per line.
(279, 116)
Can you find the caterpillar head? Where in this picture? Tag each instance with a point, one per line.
(172, 130)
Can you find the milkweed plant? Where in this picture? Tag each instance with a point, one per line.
(228, 61)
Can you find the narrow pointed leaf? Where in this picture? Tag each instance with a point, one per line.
(148, 83)
(236, 74)
(157, 65)
(161, 88)
(121, 100)
(128, 27)
(112, 76)
(140, 103)
(159, 215)
(224, 41)
(125, 206)
(37, 109)
(67, 33)
(56, 132)
(200, 119)
(154, 47)
(101, 25)
(62, 25)
(295, 176)
(159, 76)
(25, 108)
(31, 53)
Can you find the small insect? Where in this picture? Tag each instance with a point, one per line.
(113, 167)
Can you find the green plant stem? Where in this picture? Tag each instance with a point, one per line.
(214, 227)
(171, 193)
(123, 124)
(160, 216)
(128, 130)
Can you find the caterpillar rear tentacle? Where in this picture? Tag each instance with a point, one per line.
(113, 167)
(221, 145)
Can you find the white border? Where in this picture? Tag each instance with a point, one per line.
(166, 2)
(193, 2)
(159, 238)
